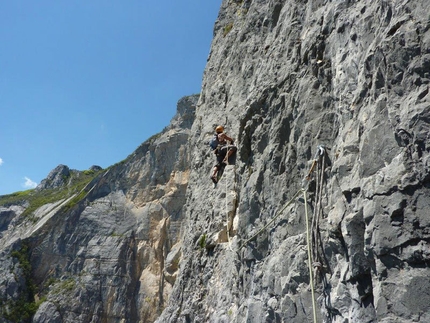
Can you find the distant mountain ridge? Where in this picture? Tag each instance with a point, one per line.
(80, 231)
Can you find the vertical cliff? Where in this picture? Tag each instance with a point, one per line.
(286, 77)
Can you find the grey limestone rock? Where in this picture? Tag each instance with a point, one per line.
(56, 178)
(285, 77)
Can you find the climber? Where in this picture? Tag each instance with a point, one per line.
(223, 148)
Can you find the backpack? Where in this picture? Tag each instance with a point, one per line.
(214, 142)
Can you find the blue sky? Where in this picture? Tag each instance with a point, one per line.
(84, 83)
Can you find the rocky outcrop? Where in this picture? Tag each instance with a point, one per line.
(56, 178)
(324, 98)
(286, 77)
(62, 176)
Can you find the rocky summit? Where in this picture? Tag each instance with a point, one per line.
(323, 217)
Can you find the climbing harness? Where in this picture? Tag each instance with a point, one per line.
(221, 165)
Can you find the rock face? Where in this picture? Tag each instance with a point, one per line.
(329, 107)
(56, 178)
(285, 77)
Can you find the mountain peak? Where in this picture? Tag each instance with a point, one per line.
(56, 178)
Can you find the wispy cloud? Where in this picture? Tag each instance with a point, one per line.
(1, 161)
(29, 183)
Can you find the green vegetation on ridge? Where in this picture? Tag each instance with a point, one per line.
(33, 199)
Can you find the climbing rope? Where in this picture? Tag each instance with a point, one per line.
(318, 250)
(308, 243)
(273, 220)
(317, 261)
(312, 234)
(320, 153)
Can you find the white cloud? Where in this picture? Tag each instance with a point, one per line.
(29, 183)
(1, 161)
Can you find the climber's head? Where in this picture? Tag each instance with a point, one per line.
(219, 129)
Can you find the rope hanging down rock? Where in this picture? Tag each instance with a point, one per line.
(314, 242)
(318, 251)
(309, 247)
(313, 234)
(271, 221)
(320, 153)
